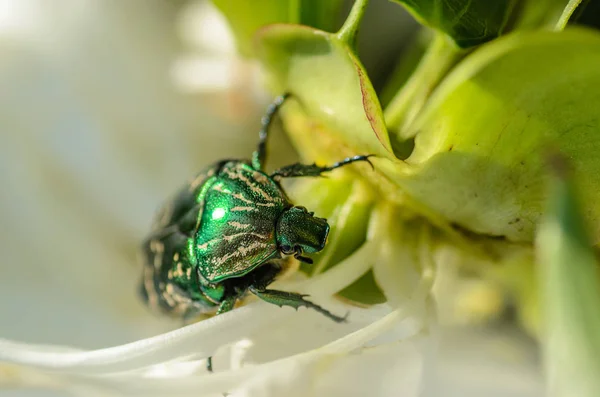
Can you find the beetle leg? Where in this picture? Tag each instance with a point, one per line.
(226, 305)
(259, 156)
(259, 285)
(299, 257)
(264, 276)
(283, 298)
(298, 169)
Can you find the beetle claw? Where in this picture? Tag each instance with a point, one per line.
(369, 161)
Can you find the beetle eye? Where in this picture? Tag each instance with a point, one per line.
(302, 208)
(286, 249)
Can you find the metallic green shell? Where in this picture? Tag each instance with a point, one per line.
(170, 282)
(237, 227)
(220, 225)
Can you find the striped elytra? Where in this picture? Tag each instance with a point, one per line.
(226, 232)
(220, 225)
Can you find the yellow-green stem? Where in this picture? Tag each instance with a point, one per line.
(439, 58)
(349, 30)
(567, 13)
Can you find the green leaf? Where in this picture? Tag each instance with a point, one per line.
(570, 295)
(364, 291)
(467, 22)
(477, 158)
(329, 83)
(246, 17)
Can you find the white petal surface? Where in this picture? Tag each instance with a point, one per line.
(92, 135)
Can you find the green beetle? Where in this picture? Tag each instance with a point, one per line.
(226, 233)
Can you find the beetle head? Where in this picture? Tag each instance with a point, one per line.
(300, 231)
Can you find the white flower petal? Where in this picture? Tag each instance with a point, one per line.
(94, 139)
(298, 371)
(200, 338)
(95, 135)
(491, 362)
(342, 275)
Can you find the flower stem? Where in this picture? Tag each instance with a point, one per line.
(439, 58)
(566, 15)
(349, 30)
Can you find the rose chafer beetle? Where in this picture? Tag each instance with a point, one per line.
(226, 233)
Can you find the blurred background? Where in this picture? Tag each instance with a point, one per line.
(106, 107)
